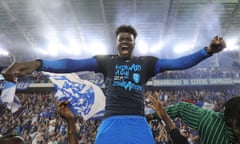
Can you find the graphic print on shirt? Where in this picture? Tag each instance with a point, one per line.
(128, 76)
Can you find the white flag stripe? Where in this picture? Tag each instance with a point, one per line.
(8, 96)
(85, 97)
(15, 105)
(8, 92)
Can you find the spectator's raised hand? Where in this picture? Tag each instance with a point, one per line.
(157, 105)
(67, 114)
(64, 111)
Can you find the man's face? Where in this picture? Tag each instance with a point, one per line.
(125, 44)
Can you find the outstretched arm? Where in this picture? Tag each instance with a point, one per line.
(18, 69)
(68, 65)
(216, 45)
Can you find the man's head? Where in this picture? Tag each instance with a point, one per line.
(232, 114)
(125, 35)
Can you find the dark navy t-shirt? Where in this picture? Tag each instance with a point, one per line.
(124, 81)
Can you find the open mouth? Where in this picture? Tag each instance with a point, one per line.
(125, 49)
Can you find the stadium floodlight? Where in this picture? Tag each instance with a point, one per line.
(182, 48)
(4, 52)
(98, 48)
(156, 48)
(142, 47)
(53, 49)
(232, 44)
(74, 47)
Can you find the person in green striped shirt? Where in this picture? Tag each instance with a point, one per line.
(213, 127)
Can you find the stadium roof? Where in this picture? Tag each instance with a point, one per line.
(31, 29)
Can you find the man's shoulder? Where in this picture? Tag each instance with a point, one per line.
(106, 56)
(145, 58)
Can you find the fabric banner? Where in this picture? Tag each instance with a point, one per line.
(86, 98)
(8, 96)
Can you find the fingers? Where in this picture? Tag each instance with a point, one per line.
(217, 44)
(10, 78)
(62, 103)
(18, 69)
(11, 72)
(219, 40)
(61, 107)
(154, 101)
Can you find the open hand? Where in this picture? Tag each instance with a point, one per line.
(18, 69)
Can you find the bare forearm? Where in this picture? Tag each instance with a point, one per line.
(72, 135)
(165, 117)
(169, 122)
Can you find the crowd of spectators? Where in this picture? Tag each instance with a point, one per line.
(212, 95)
(201, 72)
(38, 123)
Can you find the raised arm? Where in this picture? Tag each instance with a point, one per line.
(18, 69)
(174, 132)
(216, 45)
(68, 116)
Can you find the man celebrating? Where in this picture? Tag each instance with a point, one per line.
(125, 76)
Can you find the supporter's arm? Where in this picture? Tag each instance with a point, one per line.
(67, 115)
(175, 135)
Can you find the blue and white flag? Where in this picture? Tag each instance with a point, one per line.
(16, 104)
(86, 98)
(8, 96)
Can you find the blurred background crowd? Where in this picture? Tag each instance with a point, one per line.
(38, 122)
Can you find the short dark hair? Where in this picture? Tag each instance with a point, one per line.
(126, 28)
(232, 111)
